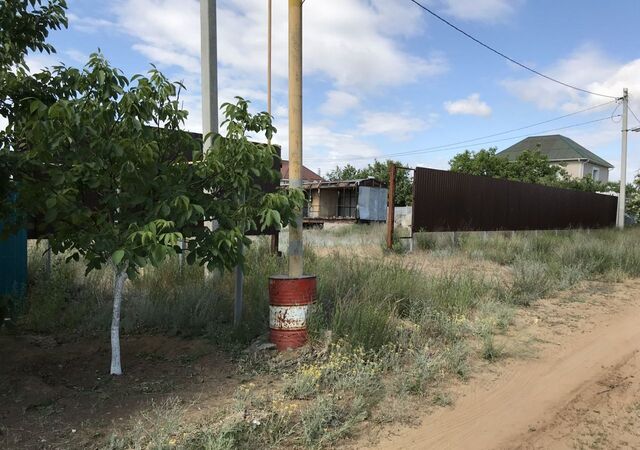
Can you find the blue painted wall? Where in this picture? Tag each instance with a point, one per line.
(13, 264)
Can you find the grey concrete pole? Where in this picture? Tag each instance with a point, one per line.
(623, 160)
(209, 68)
(275, 238)
(209, 49)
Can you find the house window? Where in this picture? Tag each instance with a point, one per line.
(595, 173)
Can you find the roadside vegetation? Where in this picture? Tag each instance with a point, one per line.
(385, 331)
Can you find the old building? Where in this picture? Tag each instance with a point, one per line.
(363, 200)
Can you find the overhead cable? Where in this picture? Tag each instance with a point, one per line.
(448, 147)
(508, 58)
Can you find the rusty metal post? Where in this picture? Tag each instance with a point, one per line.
(391, 213)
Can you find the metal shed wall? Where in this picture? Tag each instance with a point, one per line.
(372, 203)
(448, 201)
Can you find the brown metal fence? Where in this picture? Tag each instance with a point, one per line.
(448, 201)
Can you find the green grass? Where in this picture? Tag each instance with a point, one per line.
(396, 331)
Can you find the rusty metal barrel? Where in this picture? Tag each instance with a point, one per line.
(289, 302)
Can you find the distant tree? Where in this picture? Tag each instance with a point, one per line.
(484, 163)
(632, 194)
(534, 167)
(633, 198)
(106, 170)
(380, 171)
(529, 166)
(347, 172)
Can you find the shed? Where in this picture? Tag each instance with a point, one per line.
(361, 200)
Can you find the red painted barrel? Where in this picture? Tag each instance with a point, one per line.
(289, 301)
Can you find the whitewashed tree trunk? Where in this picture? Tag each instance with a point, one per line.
(116, 366)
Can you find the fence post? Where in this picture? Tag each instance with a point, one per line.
(391, 205)
(47, 261)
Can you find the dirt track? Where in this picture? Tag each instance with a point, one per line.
(581, 390)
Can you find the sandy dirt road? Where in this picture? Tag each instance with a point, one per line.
(580, 390)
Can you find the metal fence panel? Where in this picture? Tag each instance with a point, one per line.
(13, 264)
(372, 203)
(449, 201)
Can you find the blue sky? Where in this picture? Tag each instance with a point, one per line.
(381, 76)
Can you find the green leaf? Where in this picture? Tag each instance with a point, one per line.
(117, 256)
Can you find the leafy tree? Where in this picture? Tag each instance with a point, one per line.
(380, 171)
(534, 167)
(107, 171)
(347, 172)
(632, 195)
(24, 27)
(529, 166)
(484, 162)
(633, 198)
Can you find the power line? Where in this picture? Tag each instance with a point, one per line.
(449, 147)
(499, 53)
(634, 114)
(512, 130)
(521, 128)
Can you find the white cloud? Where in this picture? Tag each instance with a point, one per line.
(39, 61)
(88, 24)
(490, 11)
(168, 56)
(338, 103)
(355, 46)
(77, 56)
(398, 126)
(471, 105)
(351, 42)
(325, 148)
(588, 68)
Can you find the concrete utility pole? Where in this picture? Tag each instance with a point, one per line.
(623, 159)
(275, 238)
(209, 69)
(295, 130)
(391, 212)
(269, 22)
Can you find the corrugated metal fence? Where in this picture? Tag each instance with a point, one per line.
(448, 201)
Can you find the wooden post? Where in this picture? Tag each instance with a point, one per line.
(391, 214)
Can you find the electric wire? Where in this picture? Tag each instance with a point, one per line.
(634, 114)
(448, 148)
(499, 53)
(513, 130)
(524, 127)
